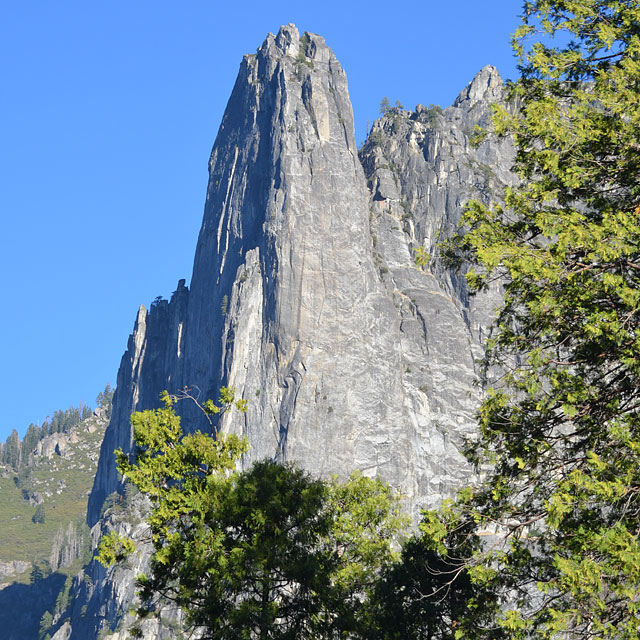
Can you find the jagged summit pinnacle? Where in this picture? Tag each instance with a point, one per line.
(288, 42)
(486, 86)
(293, 68)
(285, 234)
(309, 49)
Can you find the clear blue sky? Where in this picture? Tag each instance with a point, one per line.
(108, 114)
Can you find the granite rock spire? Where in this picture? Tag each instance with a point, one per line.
(305, 297)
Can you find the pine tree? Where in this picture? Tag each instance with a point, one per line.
(105, 399)
(39, 516)
(265, 553)
(45, 625)
(385, 106)
(30, 441)
(11, 453)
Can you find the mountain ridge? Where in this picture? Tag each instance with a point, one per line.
(305, 296)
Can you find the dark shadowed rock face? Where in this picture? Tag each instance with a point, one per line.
(149, 363)
(305, 297)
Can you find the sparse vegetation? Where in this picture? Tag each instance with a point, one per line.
(432, 114)
(477, 136)
(302, 57)
(49, 492)
(39, 516)
(375, 137)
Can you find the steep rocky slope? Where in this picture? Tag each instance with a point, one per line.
(305, 296)
(57, 478)
(38, 553)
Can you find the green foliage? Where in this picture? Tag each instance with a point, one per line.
(366, 520)
(11, 450)
(170, 467)
(431, 114)
(67, 479)
(385, 106)
(302, 57)
(45, 624)
(39, 515)
(40, 571)
(412, 600)
(224, 305)
(105, 399)
(62, 421)
(18, 454)
(421, 257)
(376, 137)
(258, 567)
(114, 548)
(64, 597)
(562, 430)
(31, 439)
(477, 136)
(268, 552)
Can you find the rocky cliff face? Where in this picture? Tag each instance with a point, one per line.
(152, 356)
(305, 296)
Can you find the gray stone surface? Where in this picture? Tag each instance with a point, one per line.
(421, 169)
(145, 369)
(305, 297)
(55, 444)
(12, 568)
